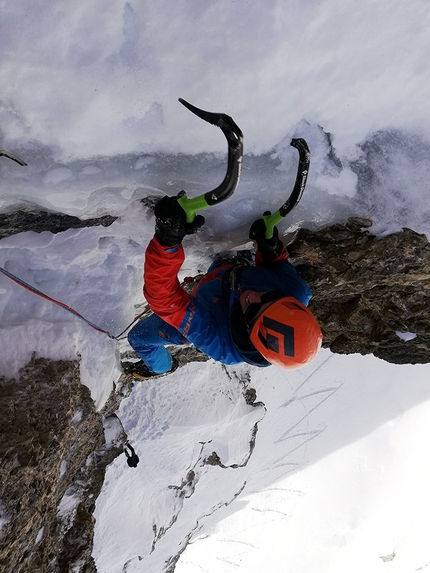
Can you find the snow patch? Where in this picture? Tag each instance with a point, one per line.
(77, 416)
(63, 468)
(91, 170)
(57, 175)
(4, 518)
(113, 431)
(406, 336)
(68, 503)
(143, 162)
(40, 534)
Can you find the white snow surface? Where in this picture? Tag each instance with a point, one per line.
(336, 476)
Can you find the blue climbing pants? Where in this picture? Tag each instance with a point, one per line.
(148, 339)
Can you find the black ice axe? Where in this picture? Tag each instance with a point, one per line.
(234, 138)
(13, 157)
(297, 192)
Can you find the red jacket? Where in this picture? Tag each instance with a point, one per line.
(204, 316)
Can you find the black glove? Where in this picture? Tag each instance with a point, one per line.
(269, 248)
(171, 222)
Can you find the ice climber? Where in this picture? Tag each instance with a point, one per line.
(254, 313)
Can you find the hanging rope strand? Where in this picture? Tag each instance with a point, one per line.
(69, 309)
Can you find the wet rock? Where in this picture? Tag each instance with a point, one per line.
(367, 291)
(53, 457)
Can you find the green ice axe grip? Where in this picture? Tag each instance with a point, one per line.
(271, 221)
(234, 138)
(297, 192)
(191, 206)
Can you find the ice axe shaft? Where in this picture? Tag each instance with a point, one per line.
(302, 174)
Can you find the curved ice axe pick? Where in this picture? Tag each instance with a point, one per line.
(297, 192)
(234, 138)
(4, 153)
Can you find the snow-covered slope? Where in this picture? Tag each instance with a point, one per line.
(312, 476)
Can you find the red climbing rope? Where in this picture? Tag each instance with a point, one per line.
(69, 309)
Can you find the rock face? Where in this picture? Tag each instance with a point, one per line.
(52, 464)
(367, 289)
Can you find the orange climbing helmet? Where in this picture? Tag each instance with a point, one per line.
(287, 334)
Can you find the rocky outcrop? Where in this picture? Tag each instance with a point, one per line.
(39, 220)
(53, 457)
(371, 295)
